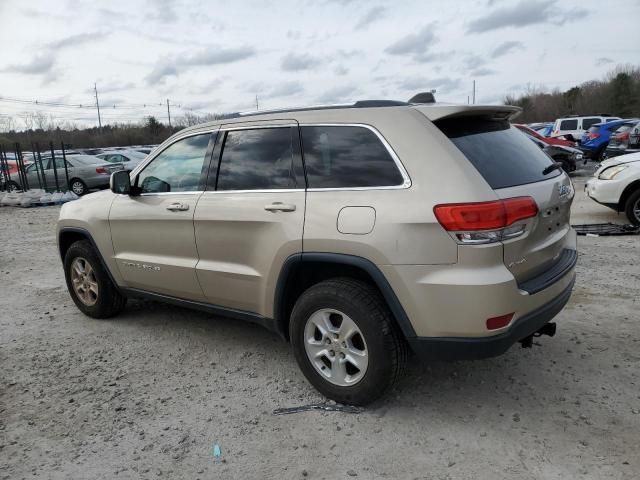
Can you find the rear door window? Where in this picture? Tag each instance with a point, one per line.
(569, 124)
(587, 122)
(259, 159)
(501, 154)
(347, 157)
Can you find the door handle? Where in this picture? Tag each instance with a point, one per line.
(178, 207)
(280, 207)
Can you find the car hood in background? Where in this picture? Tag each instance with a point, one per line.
(631, 157)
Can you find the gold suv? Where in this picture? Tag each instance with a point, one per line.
(358, 233)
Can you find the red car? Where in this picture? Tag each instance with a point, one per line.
(548, 140)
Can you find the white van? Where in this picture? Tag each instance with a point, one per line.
(573, 126)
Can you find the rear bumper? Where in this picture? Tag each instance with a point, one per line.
(455, 348)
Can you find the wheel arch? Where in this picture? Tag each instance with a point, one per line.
(301, 271)
(67, 236)
(626, 193)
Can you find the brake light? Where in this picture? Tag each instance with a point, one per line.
(101, 170)
(460, 217)
(593, 136)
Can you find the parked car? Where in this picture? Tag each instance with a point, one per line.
(574, 126)
(548, 140)
(543, 129)
(568, 157)
(129, 158)
(85, 172)
(616, 184)
(626, 139)
(595, 140)
(434, 228)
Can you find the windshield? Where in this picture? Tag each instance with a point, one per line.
(503, 155)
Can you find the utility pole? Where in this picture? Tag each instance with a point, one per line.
(257, 102)
(169, 113)
(474, 92)
(95, 89)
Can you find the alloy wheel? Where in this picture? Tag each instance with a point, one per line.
(336, 347)
(84, 281)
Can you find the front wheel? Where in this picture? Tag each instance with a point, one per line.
(632, 208)
(346, 341)
(89, 285)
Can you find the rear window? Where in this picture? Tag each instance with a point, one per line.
(503, 156)
(587, 122)
(569, 124)
(625, 127)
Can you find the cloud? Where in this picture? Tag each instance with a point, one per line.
(434, 57)
(77, 39)
(111, 87)
(526, 12)
(603, 61)
(341, 70)
(293, 62)
(337, 94)
(482, 72)
(375, 13)
(39, 64)
(413, 44)
(423, 84)
(286, 89)
(163, 11)
(505, 48)
(210, 56)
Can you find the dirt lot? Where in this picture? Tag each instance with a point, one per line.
(148, 394)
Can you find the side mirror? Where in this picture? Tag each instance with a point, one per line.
(120, 182)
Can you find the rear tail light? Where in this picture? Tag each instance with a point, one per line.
(622, 136)
(499, 322)
(593, 136)
(102, 170)
(486, 222)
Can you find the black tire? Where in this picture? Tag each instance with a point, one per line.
(13, 186)
(599, 155)
(78, 187)
(632, 208)
(387, 350)
(109, 300)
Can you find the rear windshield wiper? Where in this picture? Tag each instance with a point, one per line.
(552, 167)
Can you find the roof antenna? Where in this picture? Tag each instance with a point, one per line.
(423, 97)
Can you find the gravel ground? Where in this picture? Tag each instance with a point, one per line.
(149, 393)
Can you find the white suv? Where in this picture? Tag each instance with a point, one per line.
(573, 127)
(616, 184)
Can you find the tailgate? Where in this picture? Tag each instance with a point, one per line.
(542, 245)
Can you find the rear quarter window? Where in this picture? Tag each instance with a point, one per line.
(504, 156)
(347, 157)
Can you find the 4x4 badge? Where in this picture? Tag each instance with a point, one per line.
(564, 190)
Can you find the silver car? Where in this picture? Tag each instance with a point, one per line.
(129, 158)
(85, 172)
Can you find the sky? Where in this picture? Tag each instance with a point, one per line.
(214, 57)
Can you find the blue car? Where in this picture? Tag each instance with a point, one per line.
(543, 129)
(595, 140)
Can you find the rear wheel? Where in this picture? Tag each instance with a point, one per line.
(632, 208)
(89, 285)
(78, 187)
(346, 341)
(599, 156)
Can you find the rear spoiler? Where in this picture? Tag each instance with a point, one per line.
(437, 111)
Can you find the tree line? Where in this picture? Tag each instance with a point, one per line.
(618, 94)
(149, 131)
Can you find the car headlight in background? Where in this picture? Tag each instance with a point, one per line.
(609, 173)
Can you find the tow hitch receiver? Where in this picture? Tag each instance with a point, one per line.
(546, 329)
